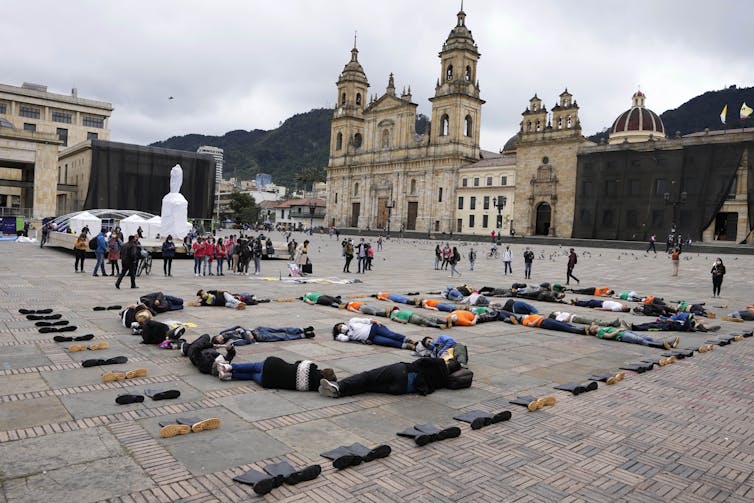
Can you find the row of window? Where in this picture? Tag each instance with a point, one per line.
(538, 125)
(385, 136)
(61, 132)
(485, 222)
(486, 200)
(468, 124)
(31, 112)
(633, 187)
(467, 75)
(476, 181)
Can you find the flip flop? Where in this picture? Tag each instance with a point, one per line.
(62, 338)
(112, 308)
(87, 337)
(128, 398)
(99, 308)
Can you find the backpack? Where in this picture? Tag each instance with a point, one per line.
(93, 245)
(460, 379)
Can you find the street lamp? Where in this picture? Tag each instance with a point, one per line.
(682, 198)
(312, 208)
(499, 202)
(389, 205)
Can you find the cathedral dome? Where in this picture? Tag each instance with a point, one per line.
(460, 36)
(511, 144)
(637, 124)
(353, 71)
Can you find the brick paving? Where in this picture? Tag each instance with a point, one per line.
(683, 432)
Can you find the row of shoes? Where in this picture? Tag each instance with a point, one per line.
(154, 394)
(185, 425)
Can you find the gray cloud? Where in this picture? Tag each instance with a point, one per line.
(237, 64)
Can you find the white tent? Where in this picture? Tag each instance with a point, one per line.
(85, 219)
(130, 225)
(153, 228)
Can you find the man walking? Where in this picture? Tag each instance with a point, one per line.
(507, 258)
(652, 240)
(528, 259)
(100, 252)
(129, 257)
(572, 260)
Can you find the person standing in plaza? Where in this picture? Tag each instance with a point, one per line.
(572, 260)
(472, 258)
(379, 243)
(718, 271)
(168, 253)
(198, 249)
(454, 259)
(446, 254)
(113, 253)
(100, 253)
(507, 258)
(528, 259)
(675, 259)
(370, 256)
(79, 250)
(361, 257)
(651, 247)
(438, 256)
(302, 255)
(220, 253)
(129, 258)
(256, 254)
(347, 254)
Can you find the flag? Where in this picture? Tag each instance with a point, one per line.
(745, 111)
(723, 114)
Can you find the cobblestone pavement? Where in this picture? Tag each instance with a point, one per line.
(681, 432)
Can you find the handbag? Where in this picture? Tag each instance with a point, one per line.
(306, 268)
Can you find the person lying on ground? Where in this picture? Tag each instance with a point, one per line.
(367, 309)
(460, 318)
(161, 303)
(443, 347)
(538, 293)
(395, 297)
(249, 298)
(485, 314)
(406, 316)
(540, 321)
(128, 316)
(681, 322)
(491, 291)
(602, 305)
(438, 305)
(696, 308)
(241, 336)
(368, 331)
(475, 299)
(276, 373)
(630, 337)
(654, 310)
(597, 291)
(422, 376)
(452, 293)
(155, 332)
(583, 320)
(217, 298)
(205, 356)
(516, 306)
(321, 299)
(746, 314)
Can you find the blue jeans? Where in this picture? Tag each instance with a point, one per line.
(396, 297)
(257, 264)
(527, 269)
(550, 324)
(270, 334)
(637, 338)
(100, 263)
(361, 265)
(220, 265)
(589, 303)
(521, 307)
(174, 303)
(205, 264)
(448, 308)
(383, 336)
(197, 265)
(251, 371)
(508, 268)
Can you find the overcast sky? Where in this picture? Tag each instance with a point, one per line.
(248, 64)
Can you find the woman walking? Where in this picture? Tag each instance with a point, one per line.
(718, 271)
(113, 253)
(168, 253)
(453, 260)
(79, 250)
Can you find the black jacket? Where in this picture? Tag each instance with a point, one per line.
(202, 353)
(279, 374)
(432, 374)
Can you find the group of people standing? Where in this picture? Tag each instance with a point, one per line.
(363, 251)
(231, 254)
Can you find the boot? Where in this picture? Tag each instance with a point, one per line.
(573, 387)
(639, 368)
(292, 476)
(478, 419)
(442, 433)
(342, 458)
(158, 394)
(260, 482)
(419, 437)
(367, 454)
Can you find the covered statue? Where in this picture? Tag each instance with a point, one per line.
(175, 207)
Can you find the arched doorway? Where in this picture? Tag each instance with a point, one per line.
(543, 220)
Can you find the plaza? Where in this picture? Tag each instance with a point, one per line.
(681, 432)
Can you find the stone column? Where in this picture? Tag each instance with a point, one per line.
(45, 180)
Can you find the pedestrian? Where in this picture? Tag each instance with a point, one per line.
(113, 253)
(129, 258)
(99, 252)
(438, 256)
(302, 255)
(79, 250)
(221, 252)
(140, 232)
(361, 257)
(209, 256)
(198, 249)
(507, 258)
(528, 259)
(652, 240)
(674, 259)
(168, 253)
(718, 271)
(256, 254)
(447, 253)
(379, 243)
(572, 260)
(472, 258)
(370, 256)
(45, 234)
(348, 254)
(454, 259)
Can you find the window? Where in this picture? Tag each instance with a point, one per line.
(3, 108)
(459, 225)
(92, 136)
(634, 187)
(449, 73)
(585, 216)
(560, 122)
(30, 127)
(489, 181)
(358, 98)
(467, 75)
(471, 221)
(94, 121)
(504, 180)
(444, 125)
(486, 202)
(357, 140)
(611, 188)
(29, 112)
(476, 182)
(657, 217)
(586, 188)
(339, 141)
(568, 122)
(460, 202)
(385, 138)
(413, 186)
(660, 186)
(356, 189)
(63, 135)
(631, 218)
(439, 195)
(472, 203)
(62, 117)
(336, 198)
(539, 126)
(465, 182)
(528, 125)
(607, 217)
(343, 99)
(467, 130)
(485, 221)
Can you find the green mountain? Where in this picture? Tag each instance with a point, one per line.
(703, 112)
(301, 143)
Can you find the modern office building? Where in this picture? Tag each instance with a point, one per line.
(217, 154)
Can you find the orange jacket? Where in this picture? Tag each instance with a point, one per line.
(532, 320)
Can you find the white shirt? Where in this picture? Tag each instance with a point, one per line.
(611, 305)
(507, 255)
(359, 328)
(563, 316)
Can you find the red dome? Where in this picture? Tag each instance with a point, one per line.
(638, 119)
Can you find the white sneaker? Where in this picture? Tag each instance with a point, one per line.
(330, 389)
(224, 376)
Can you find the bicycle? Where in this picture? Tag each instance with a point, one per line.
(493, 253)
(145, 264)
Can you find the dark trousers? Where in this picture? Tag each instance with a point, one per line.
(392, 379)
(114, 268)
(717, 282)
(346, 268)
(167, 265)
(154, 332)
(527, 270)
(130, 269)
(569, 275)
(80, 256)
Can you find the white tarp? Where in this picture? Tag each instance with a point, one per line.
(85, 219)
(153, 228)
(129, 226)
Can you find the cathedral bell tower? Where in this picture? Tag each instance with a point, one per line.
(347, 127)
(456, 105)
